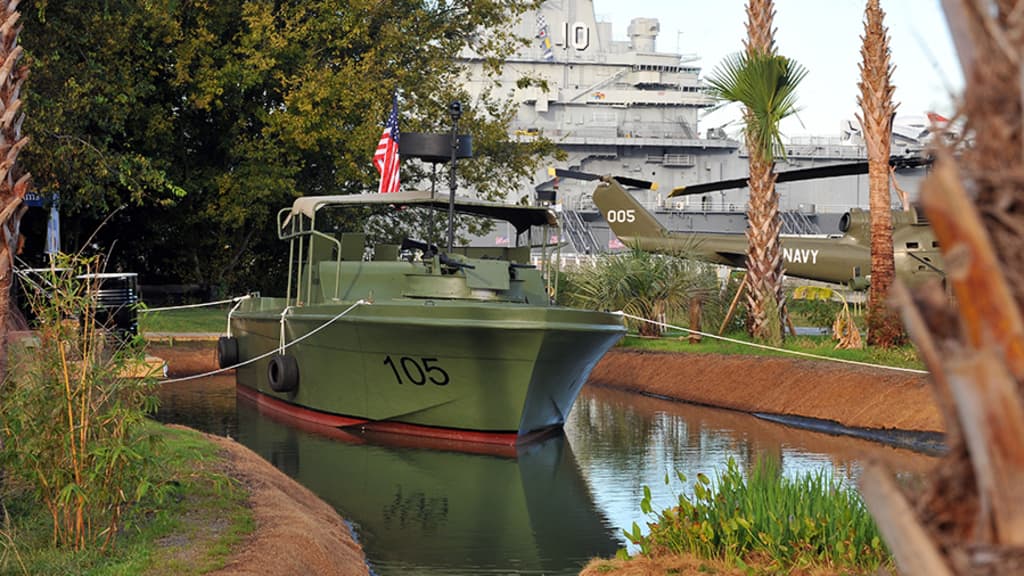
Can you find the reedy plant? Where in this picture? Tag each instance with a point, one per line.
(783, 523)
(72, 417)
(657, 287)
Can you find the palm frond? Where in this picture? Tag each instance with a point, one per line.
(766, 85)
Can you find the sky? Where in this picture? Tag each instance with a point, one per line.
(822, 35)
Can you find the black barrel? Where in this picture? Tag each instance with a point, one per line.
(116, 297)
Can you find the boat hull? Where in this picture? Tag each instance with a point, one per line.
(498, 369)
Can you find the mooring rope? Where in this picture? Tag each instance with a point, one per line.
(773, 348)
(280, 350)
(280, 341)
(232, 311)
(200, 305)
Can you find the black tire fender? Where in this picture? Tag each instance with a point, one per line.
(283, 373)
(227, 351)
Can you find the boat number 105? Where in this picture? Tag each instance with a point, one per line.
(620, 216)
(417, 370)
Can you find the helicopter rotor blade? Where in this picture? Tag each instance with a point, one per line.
(624, 180)
(831, 171)
(573, 174)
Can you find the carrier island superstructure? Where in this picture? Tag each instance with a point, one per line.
(623, 107)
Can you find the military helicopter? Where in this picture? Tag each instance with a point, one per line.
(838, 259)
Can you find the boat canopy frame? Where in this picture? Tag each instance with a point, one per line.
(292, 225)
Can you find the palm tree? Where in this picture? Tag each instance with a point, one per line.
(877, 109)
(765, 83)
(13, 184)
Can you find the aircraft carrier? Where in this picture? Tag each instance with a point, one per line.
(622, 107)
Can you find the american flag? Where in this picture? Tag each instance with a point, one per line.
(386, 156)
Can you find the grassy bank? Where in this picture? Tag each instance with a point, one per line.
(209, 319)
(187, 525)
(903, 356)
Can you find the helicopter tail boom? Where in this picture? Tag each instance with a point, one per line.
(626, 217)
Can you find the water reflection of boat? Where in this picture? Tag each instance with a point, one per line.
(423, 507)
(463, 342)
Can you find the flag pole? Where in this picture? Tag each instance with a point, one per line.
(455, 110)
(433, 213)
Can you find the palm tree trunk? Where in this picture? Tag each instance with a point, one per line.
(13, 184)
(885, 328)
(760, 27)
(764, 255)
(877, 108)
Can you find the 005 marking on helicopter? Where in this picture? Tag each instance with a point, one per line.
(797, 255)
(613, 216)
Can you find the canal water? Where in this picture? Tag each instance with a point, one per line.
(421, 507)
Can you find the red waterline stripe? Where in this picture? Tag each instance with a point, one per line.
(352, 436)
(335, 421)
(297, 412)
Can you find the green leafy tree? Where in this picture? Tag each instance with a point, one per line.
(203, 118)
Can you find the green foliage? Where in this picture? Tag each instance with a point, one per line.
(652, 286)
(209, 319)
(202, 119)
(785, 523)
(766, 84)
(902, 357)
(815, 306)
(814, 313)
(73, 420)
(189, 531)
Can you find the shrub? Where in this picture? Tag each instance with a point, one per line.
(73, 416)
(656, 287)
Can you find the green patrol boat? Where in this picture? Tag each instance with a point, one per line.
(463, 343)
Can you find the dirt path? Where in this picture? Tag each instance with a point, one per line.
(297, 533)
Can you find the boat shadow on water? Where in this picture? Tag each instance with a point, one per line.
(435, 506)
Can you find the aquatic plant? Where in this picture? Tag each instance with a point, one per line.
(779, 522)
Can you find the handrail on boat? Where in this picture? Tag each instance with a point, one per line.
(297, 232)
